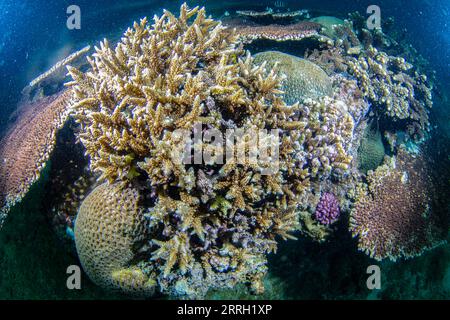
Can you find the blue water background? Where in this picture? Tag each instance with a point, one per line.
(34, 34)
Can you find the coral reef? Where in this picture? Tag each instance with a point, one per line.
(304, 79)
(394, 217)
(371, 150)
(275, 32)
(109, 227)
(27, 146)
(394, 88)
(327, 210)
(211, 224)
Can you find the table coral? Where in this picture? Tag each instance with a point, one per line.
(271, 16)
(27, 146)
(394, 218)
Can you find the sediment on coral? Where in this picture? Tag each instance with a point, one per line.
(27, 146)
(59, 65)
(328, 24)
(393, 217)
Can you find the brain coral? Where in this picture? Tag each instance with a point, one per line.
(371, 150)
(27, 146)
(109, 226)
(304, 79)
(394, 218)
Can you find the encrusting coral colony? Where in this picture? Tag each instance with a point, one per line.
(150, 223)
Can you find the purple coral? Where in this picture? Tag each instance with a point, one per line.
(327, 210)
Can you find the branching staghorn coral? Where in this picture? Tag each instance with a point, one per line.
(388, 82)
(393, 217)
(180, 71)
(27, 146)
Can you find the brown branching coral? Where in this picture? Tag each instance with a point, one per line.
(110, 224)
(210, 223)
(27, 146)
(388, 82)
(146, 80)
(172, 75)
(394, 217)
